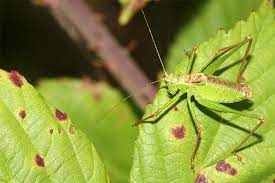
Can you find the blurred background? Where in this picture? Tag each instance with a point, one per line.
(34, 43)
(63, 39)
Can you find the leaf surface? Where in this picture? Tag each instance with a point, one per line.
(39, 143)
(87, 103)
(163, 149)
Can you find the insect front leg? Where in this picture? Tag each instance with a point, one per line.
(198, 130)
(160, 110)
(219, 107)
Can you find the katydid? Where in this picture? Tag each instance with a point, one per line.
(208, 90)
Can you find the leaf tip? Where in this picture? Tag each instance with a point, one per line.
(222, 30)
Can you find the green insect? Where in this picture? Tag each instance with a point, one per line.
(208, 90)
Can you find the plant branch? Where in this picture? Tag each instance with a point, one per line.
(81, 24)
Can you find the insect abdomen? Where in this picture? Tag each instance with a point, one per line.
(219, 90)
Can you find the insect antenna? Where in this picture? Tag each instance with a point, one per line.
(154, 42)
(126, 98)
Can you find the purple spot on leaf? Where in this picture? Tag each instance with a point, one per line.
(22, 114)
(201, 179)
(232, 171)
(39, 161)
(222, 166)
(16, 78)
(178, 132)
(60, 116)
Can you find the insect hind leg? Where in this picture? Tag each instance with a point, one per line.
(240, 79)
(261, 119)
(220, 56)
(219, 107)
(191, 57)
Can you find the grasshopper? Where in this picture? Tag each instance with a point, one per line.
(208, 90)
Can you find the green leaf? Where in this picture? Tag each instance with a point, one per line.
(163, 149)
(87, 103)
(211, 16)
(39, 143)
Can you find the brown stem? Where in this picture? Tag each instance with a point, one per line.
(81, 25)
